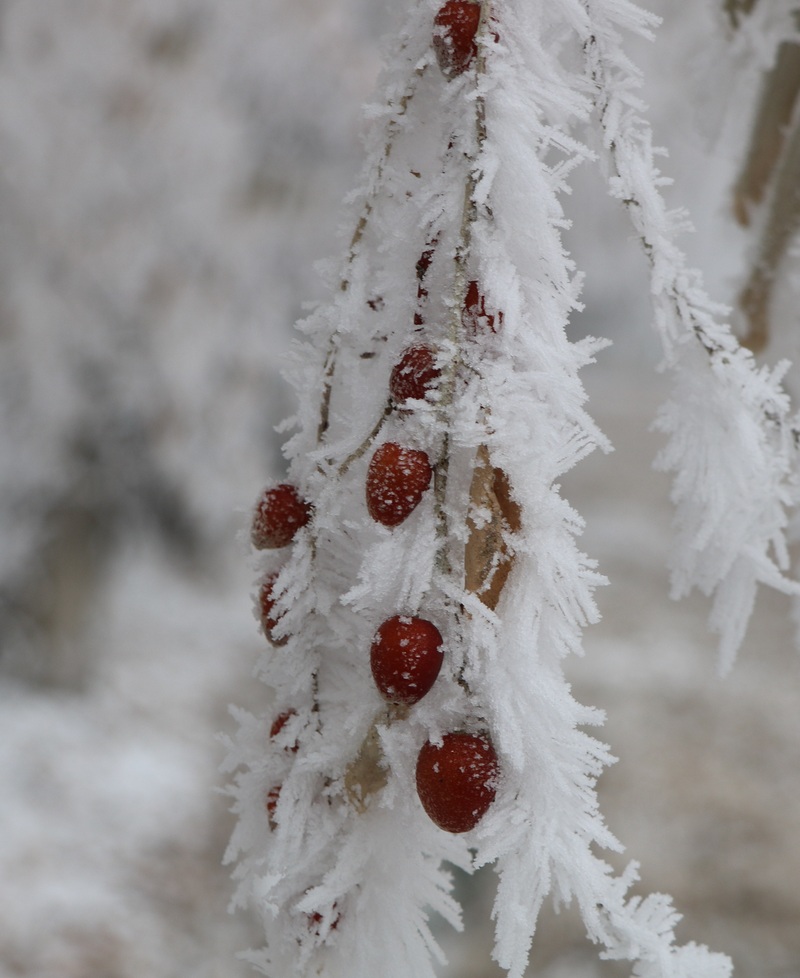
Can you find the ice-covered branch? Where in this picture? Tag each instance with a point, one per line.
(732, 443)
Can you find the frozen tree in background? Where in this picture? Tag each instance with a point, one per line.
(129, 416)
(420, 582)
(765, 38)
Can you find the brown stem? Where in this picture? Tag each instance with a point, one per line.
(783, 223)
(355, 455)
(775, 108)
(460, 259)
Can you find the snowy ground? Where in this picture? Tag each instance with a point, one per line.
(171, 170)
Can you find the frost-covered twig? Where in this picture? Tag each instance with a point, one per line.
(358, 233)
(732, 443)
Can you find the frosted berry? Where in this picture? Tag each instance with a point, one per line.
(266, 605)
(406, 656)
(414, 374)
(455, 27)
(279, 723)
(475, 315)
(456, 781)
(278, 515)
(397, 478)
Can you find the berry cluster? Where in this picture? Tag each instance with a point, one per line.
(456, 778)
(397, 476)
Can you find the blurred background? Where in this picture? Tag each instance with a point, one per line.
(170, 171)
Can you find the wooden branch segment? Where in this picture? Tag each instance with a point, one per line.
(783, 223)
(773, 116)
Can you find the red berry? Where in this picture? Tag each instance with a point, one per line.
(414, 374)
(397, 477)
(456, 781)
(278, 515)
(406, 656)
(279, 723)
(266, 604)
(475, 315)
(455, 27)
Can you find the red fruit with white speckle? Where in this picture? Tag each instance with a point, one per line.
(414, 374)
(457, 780)
(406, 656)
(397, 478)
(266, 605)
(454, 30)
(279, 513)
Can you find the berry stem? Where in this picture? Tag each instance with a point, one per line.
(356, 454)
(392, 128)
(391, 131)
(469, 216)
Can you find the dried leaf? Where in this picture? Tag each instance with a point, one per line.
(487, 562)
(366, 775)
(510, 509)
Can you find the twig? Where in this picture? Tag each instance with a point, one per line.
(721, 349)
(358, 234)
(355, 455)
(455, 325)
